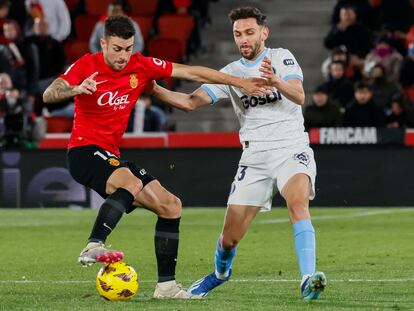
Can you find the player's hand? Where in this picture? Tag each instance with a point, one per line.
(266, 70)
(151, 87)
(88, 86)
(256, 87)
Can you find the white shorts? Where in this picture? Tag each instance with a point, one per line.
(262, 173)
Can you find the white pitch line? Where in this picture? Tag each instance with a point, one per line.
(235, 281)
(353, 215)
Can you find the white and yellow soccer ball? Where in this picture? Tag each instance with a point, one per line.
(117, 281)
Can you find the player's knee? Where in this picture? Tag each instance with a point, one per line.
(229, 242)
(299, 208)
(133, 185)
(171, 208)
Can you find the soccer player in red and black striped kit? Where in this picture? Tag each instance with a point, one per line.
(106, 86)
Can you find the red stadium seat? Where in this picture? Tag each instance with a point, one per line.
(59, 124)
(409, 93)
(145, 24)
(169, 49)
(177, 26)
(97, 7)
(71, 4)
(75, 49)
(84, 25)
(143, 7)
(165, 48)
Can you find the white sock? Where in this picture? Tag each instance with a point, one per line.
(167, 284)
(222, 276)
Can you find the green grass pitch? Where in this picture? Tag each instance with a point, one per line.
(367, 255)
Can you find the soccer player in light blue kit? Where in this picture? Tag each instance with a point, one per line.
(276, 153)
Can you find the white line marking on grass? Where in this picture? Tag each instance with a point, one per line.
(235, 281)
(341, 216)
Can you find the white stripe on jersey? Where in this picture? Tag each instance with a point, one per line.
(273, 121)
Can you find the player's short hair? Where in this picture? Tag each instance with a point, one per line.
(119, 26)
(247, 12)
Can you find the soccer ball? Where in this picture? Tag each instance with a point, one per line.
(117, 281)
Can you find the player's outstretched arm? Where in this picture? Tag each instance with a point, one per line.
(292, 88)
(250, 86)
(182, 101)
(60, 90)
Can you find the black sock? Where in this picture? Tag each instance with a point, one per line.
(166, 247)
(110, 213)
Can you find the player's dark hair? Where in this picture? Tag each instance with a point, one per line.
(119, 26)
(247, 12)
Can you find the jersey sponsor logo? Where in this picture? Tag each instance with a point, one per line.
(159, 62)
(288, 62)
(302, 158)
(114, 162)
(133, 81)
(112, 99)
(253, 101)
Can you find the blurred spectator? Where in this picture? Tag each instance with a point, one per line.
(363, 112)
(155, 119)
(114, 8)
(356, 37)
(407, 68)
(17, 120)
(146, 117)
(19, 59)
(401, 113)
(396, 14)
(55, 12)
(409, 38)
(4, 13)
(196, 8)
(50, 51)
(366, 11)
(383, 90)
(352, 71)
(339, 88)
(5, 85)
(18, 12)
(383, 53)
(321, 112)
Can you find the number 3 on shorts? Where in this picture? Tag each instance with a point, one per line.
(242, 173)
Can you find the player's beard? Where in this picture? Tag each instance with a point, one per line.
(254, 50)
(119, 65)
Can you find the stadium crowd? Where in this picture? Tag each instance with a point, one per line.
(369, 74)
(39, 39)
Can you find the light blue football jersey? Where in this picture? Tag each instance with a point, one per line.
(268, 122)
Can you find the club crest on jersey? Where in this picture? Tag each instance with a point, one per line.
(114, 162)
(133, 81)
(302, 158)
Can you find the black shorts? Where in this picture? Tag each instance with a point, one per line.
(91, 166)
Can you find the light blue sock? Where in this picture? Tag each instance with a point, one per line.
(305, 246)
(223, 260)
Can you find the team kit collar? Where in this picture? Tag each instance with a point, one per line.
(259, 58)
